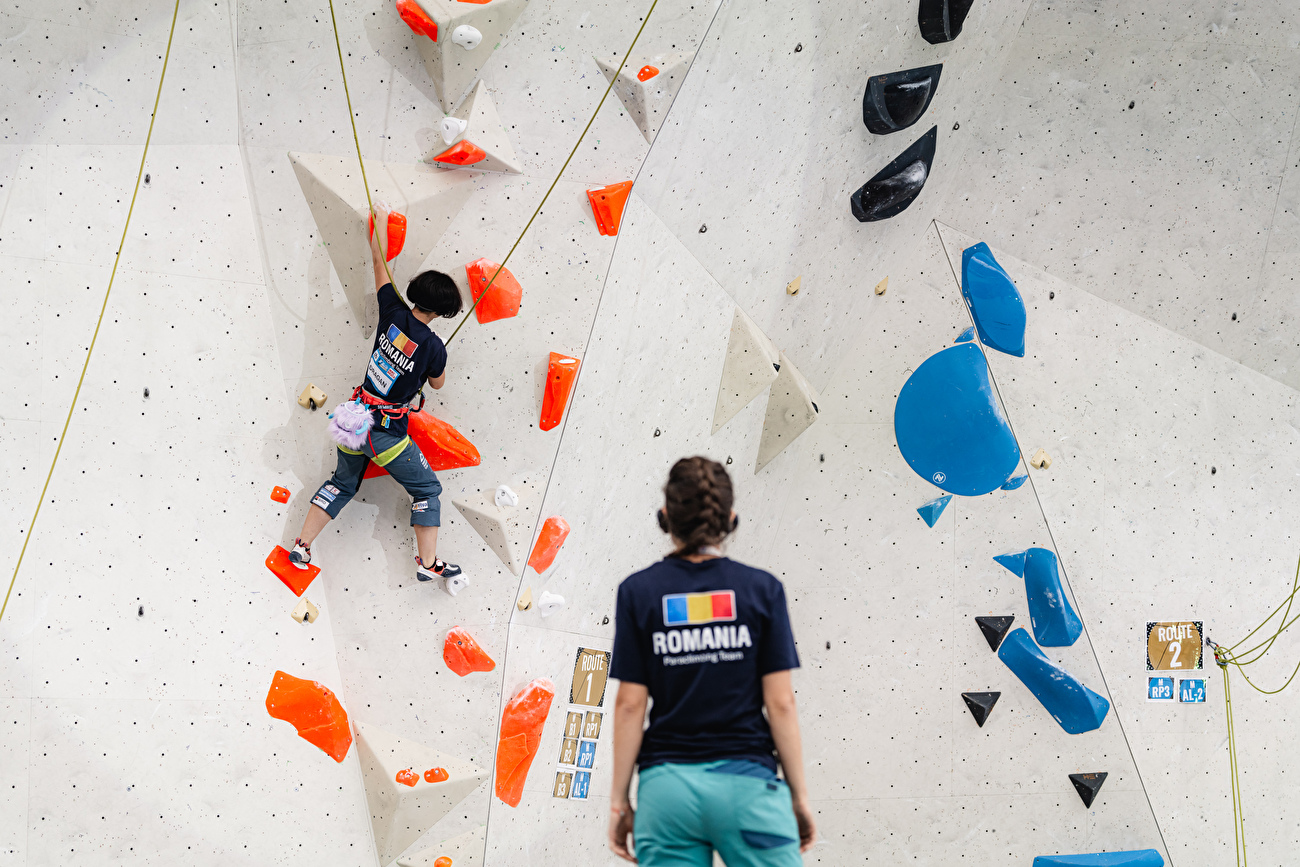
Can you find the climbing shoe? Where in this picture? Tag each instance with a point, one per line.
(439, 569)
(300, 556)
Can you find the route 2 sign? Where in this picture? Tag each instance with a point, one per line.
(1174, 645)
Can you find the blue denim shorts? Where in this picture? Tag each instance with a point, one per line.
(404, 461)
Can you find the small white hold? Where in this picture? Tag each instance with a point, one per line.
(506, 498)
(455, 584)
(549, 603)
(452, 127)
(466, 37)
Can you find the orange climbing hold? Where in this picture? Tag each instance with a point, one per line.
(647, 72)
(408, 777)
(436, 775)
(313, 710)
(499, 302)
(279, 494)
(443, 446)
(560, 375)
(444, 861)
(607, 206)
(554, 531)
(462, 654)
(462, 153)
(294, 578)
(522, 722)
(417, 20)
(396, 234)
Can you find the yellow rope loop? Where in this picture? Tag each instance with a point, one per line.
(102, 307)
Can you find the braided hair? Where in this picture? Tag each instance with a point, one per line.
(697, 504)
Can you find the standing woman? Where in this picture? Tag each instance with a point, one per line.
(709, 640)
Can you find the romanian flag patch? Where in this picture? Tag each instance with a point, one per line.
(693, 609)
(406, 345)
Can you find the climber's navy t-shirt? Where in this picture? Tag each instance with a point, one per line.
(700, 637)
(406, 352)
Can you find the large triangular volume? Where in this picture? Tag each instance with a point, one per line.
(401, 813)
(980, 704)
(791, 410)
(462, 39)
(463, 850)
(506, 529)
(647, 86)
(1088, 785)
(995, 629)
(751, 366)
(483, 145)
(430, 198)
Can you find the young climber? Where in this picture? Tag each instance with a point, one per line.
(709, 640)
(406, 355)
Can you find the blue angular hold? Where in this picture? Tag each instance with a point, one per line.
(1134, 858)
(1055, 623)
(950, 427)
(1014, 562)
(1077, 708)
(1014, 482)
(995, 303)
(966, 336)
(933, 509)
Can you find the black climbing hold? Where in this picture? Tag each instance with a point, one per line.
(1130, 103)
(605, 621)
(703, 228)
(956, 126)
(941, 20)
(822, 459)
(828, 645)
(814, 405)
(798, 48)
(898, 184)
(1213, 470)
(146, 180)
(656, 431)
(1087, 785)
(1234, 317)
(146, 392)
(1051, 295)
(980, 704)
(777, 366)
(728, 459)
(995, 629)
(140, 613)
(896, 100)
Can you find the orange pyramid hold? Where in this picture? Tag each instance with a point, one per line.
(462, 153)
(463, 655)
(294, 578)
(647, 72)
(313, 710)
(560, 376)
(554, 531)
(396, 234)
(522, 722)
(416, 19)
(502, 300)
(443, 446)
(607, 205)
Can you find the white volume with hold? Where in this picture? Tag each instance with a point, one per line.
(506, 498)
(452, 127)
(466, 37)
(549, 603)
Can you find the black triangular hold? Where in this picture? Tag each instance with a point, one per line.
(995, 629)
(941, 20)
(980, 704)
(897, 185)
(1087, 785)
(896, 100)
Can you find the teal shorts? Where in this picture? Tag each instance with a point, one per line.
(739, 808)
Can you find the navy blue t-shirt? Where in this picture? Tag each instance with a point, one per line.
(700, 637)
(406, 352)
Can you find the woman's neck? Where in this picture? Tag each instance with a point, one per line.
(706, 552)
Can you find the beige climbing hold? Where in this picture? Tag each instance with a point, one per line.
(791, 410)
(1041, 460)
(304, 611)
(525, 599)
(792, 288)
(882, 286)
(312, 395)
(750, 367)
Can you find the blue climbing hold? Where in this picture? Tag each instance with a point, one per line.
(1134, 858)
(1014, 562)
(966, 336)
(1014, 482)
(933, 509)
(950, 427)
(1055, 623)
(995, 303)
(1077, 708)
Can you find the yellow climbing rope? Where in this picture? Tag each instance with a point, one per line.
(1233, 656)
(540, 205)
(102, 307)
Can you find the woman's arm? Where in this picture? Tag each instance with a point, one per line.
(778, 698)
(629, 724)
(377, 256)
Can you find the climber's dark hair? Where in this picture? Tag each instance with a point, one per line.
(434, 292)
(697, 503)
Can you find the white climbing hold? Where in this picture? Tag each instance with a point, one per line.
(455, 584)
(451, 128)
(467, 37)
(506, 498)
(549, 603)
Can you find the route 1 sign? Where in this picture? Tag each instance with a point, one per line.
(1174, 645)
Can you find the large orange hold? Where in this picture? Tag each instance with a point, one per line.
(407, 777)
(462, 153)
(443, 446)
(647, 72)
(462, 654)
(607, 206)
(313, 710)
(279, 494)
(560, 376)
(417, 20)
(554, 531)
(294, 578)
(499, 302)
(396, 234)
(522, 722)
